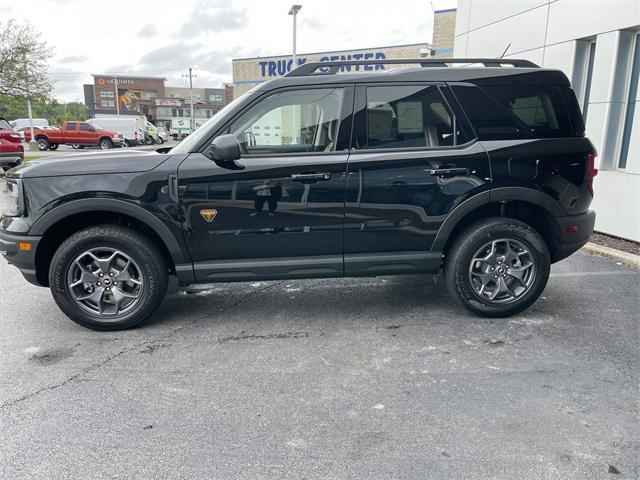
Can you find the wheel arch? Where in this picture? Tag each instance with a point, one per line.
(530, 206)
(61, 222)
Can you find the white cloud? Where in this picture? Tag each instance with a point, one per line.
(207, 34)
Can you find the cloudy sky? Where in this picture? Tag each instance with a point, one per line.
(164, 38)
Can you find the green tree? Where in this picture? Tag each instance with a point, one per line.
(24, 62)
(14, 107)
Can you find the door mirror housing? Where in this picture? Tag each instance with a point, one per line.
(224, 149)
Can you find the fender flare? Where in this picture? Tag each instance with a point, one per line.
(529, 195)
(73, 207)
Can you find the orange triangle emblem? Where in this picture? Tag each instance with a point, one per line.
(209, 214)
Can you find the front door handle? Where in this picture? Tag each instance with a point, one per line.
(311, 177)
(448, 172)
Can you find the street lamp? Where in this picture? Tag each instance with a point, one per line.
(294, 11)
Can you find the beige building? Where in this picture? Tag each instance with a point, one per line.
(444, 30)
(249, 72)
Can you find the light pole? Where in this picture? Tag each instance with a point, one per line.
(115, 82)
(294, 12)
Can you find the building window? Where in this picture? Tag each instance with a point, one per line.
(107, 104)
(106, 94)
(632, 103)
(587, 84)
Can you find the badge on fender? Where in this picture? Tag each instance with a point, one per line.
(209, 214)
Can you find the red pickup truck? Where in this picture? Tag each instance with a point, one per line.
(76, 134)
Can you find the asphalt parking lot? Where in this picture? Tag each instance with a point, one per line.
(349, 378)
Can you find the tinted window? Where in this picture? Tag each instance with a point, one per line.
(85, 127)
(291, 122)
(71, 126)
(511, 112)
(406, 117)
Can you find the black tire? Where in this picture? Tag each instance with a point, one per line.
(53, 146)
(159, 140)
(458, 266)
(75, 146)
(106, 144)
(43, 143)
(146, 256)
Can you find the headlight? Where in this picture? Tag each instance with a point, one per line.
(11, 203)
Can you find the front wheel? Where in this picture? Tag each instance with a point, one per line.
(497, 267)
(53, 146)
(106, 144)
(108, 277)
(159, 141)
(76, 146)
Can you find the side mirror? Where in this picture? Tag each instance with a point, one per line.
(225, 150)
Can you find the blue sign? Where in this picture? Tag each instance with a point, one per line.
(277, 68)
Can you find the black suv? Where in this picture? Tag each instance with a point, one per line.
(482, 170)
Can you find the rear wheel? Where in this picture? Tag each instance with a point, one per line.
(43, 143)
(76, 146)
(106, 144)
(497, 267)
(108, 277)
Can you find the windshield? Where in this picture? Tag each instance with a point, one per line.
(196, 137)
(4, 125)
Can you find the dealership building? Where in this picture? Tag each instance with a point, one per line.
(249, 72)
(597, 45)
(149, 96)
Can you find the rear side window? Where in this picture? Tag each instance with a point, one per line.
(411, 116)
(512, 112)
(71, 126)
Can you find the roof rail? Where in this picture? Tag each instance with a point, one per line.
(311, 67)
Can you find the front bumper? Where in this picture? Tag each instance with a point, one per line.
(574, 232)
(24, 260)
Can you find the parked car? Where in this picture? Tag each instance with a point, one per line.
(19, 123)
(76, 134)
(11, 149)
(483, 172)
(163, 135)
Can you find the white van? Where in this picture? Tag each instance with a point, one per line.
(131, 127)
(25, 122)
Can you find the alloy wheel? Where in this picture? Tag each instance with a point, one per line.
(105, 281)
(502, 271)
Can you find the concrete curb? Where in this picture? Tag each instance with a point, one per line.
(619, 255)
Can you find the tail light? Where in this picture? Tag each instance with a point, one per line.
(10, 137)
(591, 171)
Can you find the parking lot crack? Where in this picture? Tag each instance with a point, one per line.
(10, 403)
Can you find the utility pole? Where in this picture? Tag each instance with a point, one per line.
(192, 119)
(115, 83)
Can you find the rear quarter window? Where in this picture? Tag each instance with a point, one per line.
(508, 112)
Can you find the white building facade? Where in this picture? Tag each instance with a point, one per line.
(597, 45)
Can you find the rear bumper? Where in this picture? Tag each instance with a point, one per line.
(25, 261)
(574, 232)
(11, 159)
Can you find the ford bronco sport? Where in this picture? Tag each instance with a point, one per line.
(482, 170)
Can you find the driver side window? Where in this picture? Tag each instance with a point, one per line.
(300, 121)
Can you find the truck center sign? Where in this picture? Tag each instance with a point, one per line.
(248, 72)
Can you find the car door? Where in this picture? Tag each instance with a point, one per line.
(87, 134)
(279, 210)
(71, 133)
(412, 162)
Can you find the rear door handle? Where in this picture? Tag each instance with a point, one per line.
(311, 177)
(448, 172)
